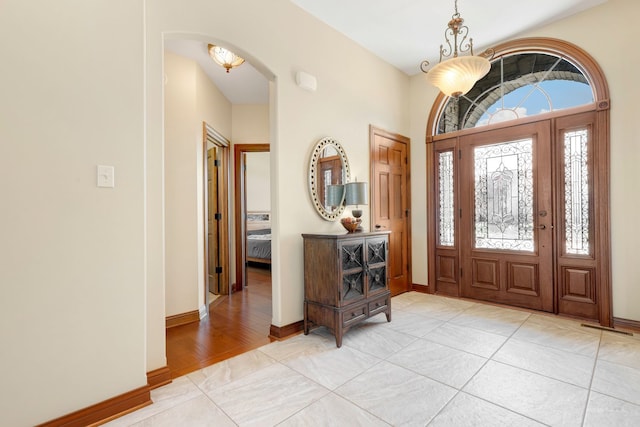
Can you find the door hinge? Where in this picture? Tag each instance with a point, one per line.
(217, 216)
(406, 213)
(218, 270)
(216, 163)
(460, 213)
(459, 154)
(460, 272)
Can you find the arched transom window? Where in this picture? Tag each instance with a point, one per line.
(517, 86)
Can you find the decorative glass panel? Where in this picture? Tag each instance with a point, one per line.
(377, 278)
(504, 196)
(352, 285)
(352, 256)
(376, 251)
(446, 217)
(576, 192)
(518, 85)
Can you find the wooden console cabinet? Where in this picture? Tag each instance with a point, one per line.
(345, 280)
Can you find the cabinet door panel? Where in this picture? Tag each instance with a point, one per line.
(352, 255)
(352, 286)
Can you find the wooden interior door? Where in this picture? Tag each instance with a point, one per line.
(507, 216)
(213, 235)
(390, 199)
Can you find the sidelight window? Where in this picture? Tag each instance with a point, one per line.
(576, 192)
(446, 217)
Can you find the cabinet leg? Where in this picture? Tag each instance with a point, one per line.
(388, 314)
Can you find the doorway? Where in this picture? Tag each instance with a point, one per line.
(516, 216)
(243, 221)
(518, 184)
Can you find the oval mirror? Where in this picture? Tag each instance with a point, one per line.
(328, 172)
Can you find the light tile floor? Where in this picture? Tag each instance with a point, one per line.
(439, 362)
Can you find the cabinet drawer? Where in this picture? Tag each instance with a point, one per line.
(353, 315)
(379, 305)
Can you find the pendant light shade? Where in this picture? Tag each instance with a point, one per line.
(457, 76)
(225, 57)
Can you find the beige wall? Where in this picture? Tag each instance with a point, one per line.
(258, 182)
(599, 32)
(250, 123)
(72, 255)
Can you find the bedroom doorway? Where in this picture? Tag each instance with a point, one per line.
(252, 212)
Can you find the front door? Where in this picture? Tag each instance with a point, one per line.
(506, 216)
(390, 192)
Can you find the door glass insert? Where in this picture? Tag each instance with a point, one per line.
(446, 217)
(576, 192)
(504, 196)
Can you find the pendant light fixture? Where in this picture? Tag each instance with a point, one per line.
(224, 57)
(457, 74)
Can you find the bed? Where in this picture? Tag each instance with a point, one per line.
(259, 237)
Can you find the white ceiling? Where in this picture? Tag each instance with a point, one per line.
(401, 32)
(242, 85)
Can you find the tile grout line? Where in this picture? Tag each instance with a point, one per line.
(210, 399)
(593, 373)
(487, 360)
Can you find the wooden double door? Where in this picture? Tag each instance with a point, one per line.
(517, 219)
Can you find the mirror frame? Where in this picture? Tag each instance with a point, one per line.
(313, 170)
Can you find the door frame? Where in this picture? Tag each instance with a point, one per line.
(240, 203)
(210, 135)
(373, 131)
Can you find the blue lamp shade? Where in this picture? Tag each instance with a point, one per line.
(335, 195)
(357, 193)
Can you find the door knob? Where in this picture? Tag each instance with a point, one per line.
(541, 226)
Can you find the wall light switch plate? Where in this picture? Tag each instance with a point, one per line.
(106, 176)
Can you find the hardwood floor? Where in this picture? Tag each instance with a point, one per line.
(236, 324)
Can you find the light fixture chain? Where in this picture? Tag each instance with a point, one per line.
(456, 75)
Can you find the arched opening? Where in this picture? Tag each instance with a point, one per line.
(196, 166)
(517, 204)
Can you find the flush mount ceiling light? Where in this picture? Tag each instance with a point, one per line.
(224, 57)
(457, 74)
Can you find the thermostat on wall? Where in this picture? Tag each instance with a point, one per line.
(306, 81)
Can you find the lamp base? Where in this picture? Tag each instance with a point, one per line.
(357, 213)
